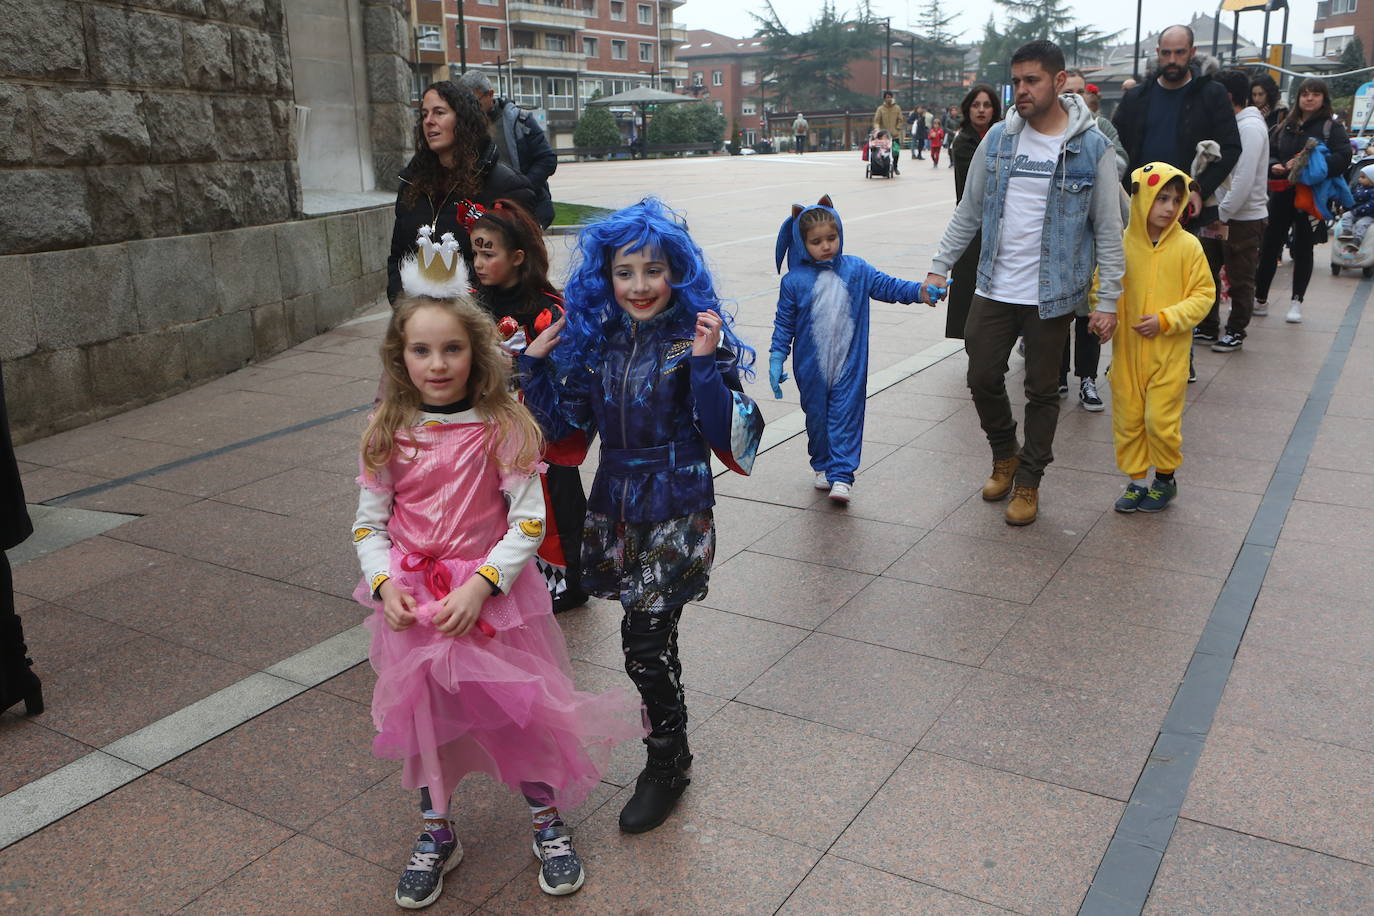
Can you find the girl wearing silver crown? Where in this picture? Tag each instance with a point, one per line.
(472, 671)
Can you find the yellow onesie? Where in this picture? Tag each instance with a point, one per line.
(1149, 376)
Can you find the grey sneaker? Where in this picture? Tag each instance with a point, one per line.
(562, 871)
(423, 880)
(1261, 309)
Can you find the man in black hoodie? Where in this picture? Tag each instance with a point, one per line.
(1165, 118)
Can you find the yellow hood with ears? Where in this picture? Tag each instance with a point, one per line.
(1146, 183)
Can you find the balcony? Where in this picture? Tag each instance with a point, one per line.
(672, 35)
(430, 12)
(672, 4)
(675, 69)
(523, 12)
(535, 59)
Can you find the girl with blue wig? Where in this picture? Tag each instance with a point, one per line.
(644, 356)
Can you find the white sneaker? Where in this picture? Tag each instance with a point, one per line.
(839, 492)
(822, 482)
(1294, 315)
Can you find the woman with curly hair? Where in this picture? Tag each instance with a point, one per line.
(455, 173)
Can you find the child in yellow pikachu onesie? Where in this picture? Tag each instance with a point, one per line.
(1167, 290)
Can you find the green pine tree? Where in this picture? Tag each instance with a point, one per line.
(597, 127)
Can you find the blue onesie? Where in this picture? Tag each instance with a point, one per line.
(823, 319)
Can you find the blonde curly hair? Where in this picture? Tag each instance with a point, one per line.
(516, 441)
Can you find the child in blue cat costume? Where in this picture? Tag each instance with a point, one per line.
(823, 320)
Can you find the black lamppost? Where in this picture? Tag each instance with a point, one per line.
(887, 75)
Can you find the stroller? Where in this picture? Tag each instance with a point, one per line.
(879, 155)
(1345, 253)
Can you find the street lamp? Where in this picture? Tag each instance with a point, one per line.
(887, 75)
(509, 62)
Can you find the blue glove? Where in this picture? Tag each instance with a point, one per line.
(775, 374)
(935, 293)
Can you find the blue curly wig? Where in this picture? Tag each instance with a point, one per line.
(590, 301)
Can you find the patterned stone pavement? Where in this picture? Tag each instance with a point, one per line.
(900, 707)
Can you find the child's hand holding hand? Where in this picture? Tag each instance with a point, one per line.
(707, 337)
(398, 607)
(459, 610)
(1148, 326)
(543, 345)
(1103, 324)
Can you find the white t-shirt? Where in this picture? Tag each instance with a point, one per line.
(1016, 272)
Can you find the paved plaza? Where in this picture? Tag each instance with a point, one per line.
(905, 706)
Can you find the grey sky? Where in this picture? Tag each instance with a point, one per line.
(732, 16)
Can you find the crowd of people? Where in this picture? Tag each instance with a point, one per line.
(1071, 230)
(473, 529)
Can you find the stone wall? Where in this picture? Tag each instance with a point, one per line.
(141, 119)
(89, 332)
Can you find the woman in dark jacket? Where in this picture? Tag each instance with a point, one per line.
(455, 164)
(17, 682)
(1264, 95)
(1309, 119)
(981, 110)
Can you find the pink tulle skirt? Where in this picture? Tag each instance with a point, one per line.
(504, 704)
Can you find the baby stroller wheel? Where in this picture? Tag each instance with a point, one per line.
(1335, 270)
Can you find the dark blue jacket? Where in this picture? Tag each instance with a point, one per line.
(659, 412)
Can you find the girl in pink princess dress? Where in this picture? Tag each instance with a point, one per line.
(472, 671)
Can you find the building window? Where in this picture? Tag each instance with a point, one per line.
(717, 78)
(588, 88)
(749, 108)
(522, 39)
(487, 2)
(558, 92)
(427, 38)
(748, 77)
(618, 10)
(720, 107)
(698, 78)
(555, 43)
(646, 52)
(646, 14)
(589, 7)
(619, 86)
(526, 91)
(1341, 7)
(489, 39)
(618, 49)
(589, 47)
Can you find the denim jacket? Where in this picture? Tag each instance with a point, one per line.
(660, 412)
(1082, 229)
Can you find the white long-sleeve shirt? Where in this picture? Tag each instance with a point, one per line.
(525, 516)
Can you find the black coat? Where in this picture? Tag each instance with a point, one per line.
(1288, 139)
(536, 159)
(498, 181)
(964, 274)
(1206, 115)
(14, 514)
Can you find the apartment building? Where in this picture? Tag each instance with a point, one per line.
(727, 72)
(1338, 22)
(551, 56)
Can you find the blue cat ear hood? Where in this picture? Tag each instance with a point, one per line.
(792, 249)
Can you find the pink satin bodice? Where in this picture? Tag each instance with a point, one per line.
(448, 502)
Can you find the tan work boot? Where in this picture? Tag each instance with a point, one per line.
(1025, 503)
(999, 484)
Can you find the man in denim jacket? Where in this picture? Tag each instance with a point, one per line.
(1043, 189)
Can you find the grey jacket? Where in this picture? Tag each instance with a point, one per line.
(1082, 227)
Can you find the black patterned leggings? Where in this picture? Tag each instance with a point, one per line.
(649, 640)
